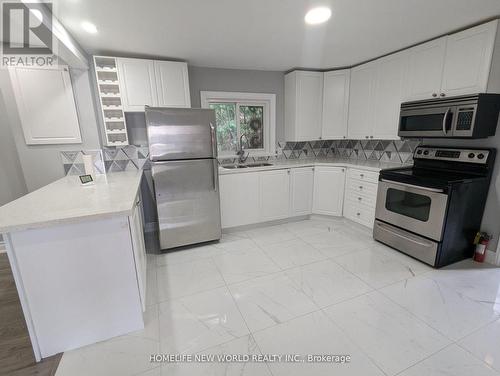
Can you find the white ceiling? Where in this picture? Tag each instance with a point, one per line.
(265, 34)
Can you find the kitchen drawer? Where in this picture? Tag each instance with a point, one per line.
(366, 188)
(361, 198)
(369, 176)
(359, 213)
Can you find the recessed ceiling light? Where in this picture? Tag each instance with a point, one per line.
(89, 27)
(318, 15)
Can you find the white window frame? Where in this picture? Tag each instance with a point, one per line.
(268, 101)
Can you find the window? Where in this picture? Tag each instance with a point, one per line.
(249, 116)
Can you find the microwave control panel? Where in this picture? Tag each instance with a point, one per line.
(465, 118)
(478, 156)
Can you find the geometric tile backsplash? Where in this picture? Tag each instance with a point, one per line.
(135, 157)
(400, 151)
(378, 150)
(106, 160)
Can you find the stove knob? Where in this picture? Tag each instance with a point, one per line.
(472, 155)
(480, 156)
(426, 152)
(419, 151)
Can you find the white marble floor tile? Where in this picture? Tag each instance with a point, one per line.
(124, 356)
(485, 344)
(240, 244)
(308, 227)
(240, 265)
(198, 322)
(270, 235)
(328, 239)
(188, 254)
(327, 283)
(176, 280)
(387, 333)
(242, 346)
(313, 334)
(292, 253)
(477, 282)
(446, 310)
(378, 269)
(270, 300)
(452, 361)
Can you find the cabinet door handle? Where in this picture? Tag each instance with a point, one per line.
(288, 172)
(434, 95)
(362, 175)
(442, 95)
(358, 214)
(359, 198)
(360, 187)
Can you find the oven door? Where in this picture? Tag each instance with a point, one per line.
(420, 210)
(426, 122)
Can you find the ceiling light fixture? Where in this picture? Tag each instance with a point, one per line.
(89, 27)
(318, 15)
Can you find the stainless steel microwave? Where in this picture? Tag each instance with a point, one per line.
(468, 116)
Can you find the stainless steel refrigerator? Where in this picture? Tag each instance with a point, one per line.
(183, 154)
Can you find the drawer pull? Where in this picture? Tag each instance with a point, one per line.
(359, 198)
(358, 214)
(360, 187)
(362, 175)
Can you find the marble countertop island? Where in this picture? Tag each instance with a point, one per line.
(66, 200)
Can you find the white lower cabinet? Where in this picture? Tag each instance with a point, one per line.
(361, 196)
(254, 197)
(239, 196)
(328, 195)
(301, 191)
(274, 195)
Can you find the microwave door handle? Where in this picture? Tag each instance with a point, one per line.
(445, 117)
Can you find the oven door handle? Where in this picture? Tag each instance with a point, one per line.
(402, 236)
(437, 190)
(445, 117)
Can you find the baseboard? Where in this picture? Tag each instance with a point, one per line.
(228, 230)
(492, 258)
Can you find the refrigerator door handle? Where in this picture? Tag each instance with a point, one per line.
(214, 140)
(216, 174)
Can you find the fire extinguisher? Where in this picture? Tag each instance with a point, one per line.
(482, 240)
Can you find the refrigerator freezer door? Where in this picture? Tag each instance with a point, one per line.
(187, 197)
(180, 133)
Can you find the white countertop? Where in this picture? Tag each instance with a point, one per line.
(294, 163)
(66, 200)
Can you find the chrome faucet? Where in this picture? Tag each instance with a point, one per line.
(241, 153)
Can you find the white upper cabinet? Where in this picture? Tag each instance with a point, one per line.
(426, 69)
(335, 104)
(468, 60)
(457, 64)
(301, 195)
(137, 83)
(360, 123)
(389, 93)
(328, 194)
(153, 83)
(56, 123)
(274, 195)
(172, 84)
(303, 105)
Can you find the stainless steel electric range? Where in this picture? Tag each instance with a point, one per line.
(431, 211)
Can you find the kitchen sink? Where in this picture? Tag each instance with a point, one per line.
(263, 164)
(250, 165)
(234, 166)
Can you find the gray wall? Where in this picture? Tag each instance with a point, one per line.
(253, 81)
(12, 184)
(41, 164)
